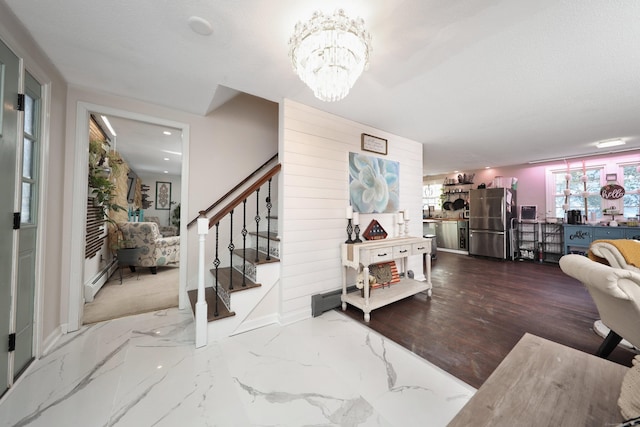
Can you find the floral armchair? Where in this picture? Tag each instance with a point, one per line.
(156, 250)
(165, 230)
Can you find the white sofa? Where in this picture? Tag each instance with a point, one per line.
(616, 293)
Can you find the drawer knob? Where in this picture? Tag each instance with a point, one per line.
(403, 251)
(382, 254)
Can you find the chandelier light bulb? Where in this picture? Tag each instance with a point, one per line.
(329, 53)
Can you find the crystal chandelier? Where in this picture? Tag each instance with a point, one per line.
(329, 53)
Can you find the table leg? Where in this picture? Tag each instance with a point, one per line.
(344, 287)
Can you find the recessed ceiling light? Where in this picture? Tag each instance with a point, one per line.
(166, 132)
(610, 143)
(200, 25)
(166, 158)
(487, 167)
(166, 171)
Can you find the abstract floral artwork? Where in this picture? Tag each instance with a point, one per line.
(373, 184)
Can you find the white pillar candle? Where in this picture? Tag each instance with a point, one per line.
(349, 212)
(356, 218)
(405, 214)
(400, 218)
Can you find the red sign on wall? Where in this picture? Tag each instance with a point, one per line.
(612, 192)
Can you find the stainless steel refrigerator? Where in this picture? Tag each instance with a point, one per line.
(490, 213)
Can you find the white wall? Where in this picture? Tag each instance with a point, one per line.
(314, 150)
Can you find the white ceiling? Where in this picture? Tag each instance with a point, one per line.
(145, 146)
(478, 82)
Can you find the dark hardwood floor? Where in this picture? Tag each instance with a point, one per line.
(481, 308)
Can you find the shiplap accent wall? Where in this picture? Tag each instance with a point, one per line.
(314, 149)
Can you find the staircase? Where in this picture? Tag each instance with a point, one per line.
(241, 287)
(245, 263)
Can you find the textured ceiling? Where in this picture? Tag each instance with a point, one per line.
(478, 82)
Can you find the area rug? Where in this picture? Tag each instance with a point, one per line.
(140, 292)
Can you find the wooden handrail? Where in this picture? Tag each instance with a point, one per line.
(246, 193)
(234, 189)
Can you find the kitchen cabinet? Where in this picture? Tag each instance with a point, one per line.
(452, 234)
(359, 256)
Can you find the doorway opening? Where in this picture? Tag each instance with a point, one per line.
(142, 163)
(80, 196)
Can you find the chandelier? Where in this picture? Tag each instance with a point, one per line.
(329, 53)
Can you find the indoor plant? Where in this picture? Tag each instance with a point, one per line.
(102, 164)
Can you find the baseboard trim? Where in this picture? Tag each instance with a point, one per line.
(51, 340)
(261, 322)
(295, 316)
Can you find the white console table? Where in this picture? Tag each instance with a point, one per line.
(361, 255)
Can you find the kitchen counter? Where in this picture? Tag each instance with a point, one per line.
(452, 234)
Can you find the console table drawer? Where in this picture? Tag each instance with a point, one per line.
(375, 256)
(401, 251)
(608, 233)
(632, 234)
(421, 248)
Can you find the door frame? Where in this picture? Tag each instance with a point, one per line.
(79, 205)
(26, 65)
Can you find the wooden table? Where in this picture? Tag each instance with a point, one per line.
(542, 383)
(359, 256)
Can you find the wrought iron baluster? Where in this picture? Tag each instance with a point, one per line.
(269, 206)
(257, 219)
(216, 264)
(231, 248)
(244, 243)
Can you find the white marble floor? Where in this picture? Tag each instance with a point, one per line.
(144, 371)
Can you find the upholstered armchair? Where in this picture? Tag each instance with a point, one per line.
(165, 230)
(156, 250)
(616, 293)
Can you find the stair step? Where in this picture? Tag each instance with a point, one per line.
(223, 280)
(251, 256)
(263, 235)
(210, 297)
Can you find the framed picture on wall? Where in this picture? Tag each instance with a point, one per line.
(373, 144)
(163, 195)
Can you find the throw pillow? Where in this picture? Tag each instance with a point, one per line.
(629, 401)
